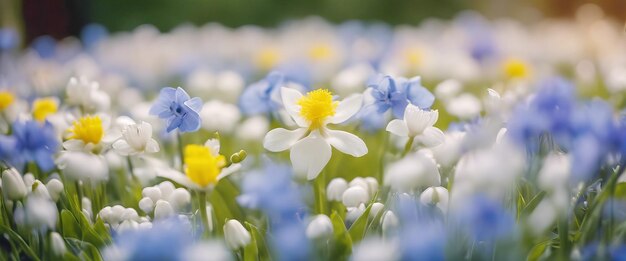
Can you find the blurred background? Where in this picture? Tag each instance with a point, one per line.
(61, 18)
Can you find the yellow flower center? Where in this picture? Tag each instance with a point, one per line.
(6, 99)
(44, 107)
(320, 52)
(201, 166)
(316, 106)
(267, 58)
(515, 68)
(88, 129)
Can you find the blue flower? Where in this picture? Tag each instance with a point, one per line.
(272, 191)
(263, 96)
(30, 141)
(180, 110)
(484, 219)
(389, 93)
(165, 240)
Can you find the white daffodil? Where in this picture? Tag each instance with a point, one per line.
(136, 139)
(418, 125)
(90, 133)
(311, 143)
(204, 167)
(87, 94)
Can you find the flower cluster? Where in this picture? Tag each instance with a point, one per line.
(461, 140)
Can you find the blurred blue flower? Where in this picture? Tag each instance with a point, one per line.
(484, 219)
(180, 110)
(45, 46)
(389, 93)
(263, 96)
(30, 141)
(272, 191)
(9, 38)
(166, 240)
(92, 34)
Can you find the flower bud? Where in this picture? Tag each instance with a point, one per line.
(354, 196)
(437, 196)
(146, 205)
(55, 188)
(179, 198)
(166, 188)
(58, 244)
(40, 190)
(376, 208)
(320, 227)
(153, 193)
(335, 189)
(389, 223)
(238, 157)
(236, 235)
(163, 209)
(87, 206)
(13, 186)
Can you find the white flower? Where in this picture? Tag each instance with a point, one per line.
(418, 124)
(83, 166)
(236, 235)
(55, 188)
(376, 208)
(374, 249)
(465, 106)
(320, 227)
(57, 244)
(13, 186)
(311, 143)
(207, 251)
(354, 196)
(219, 116)
(136, 139)
(335, 189)
(163, 209)
(389, 223)
(413, 171)
(253, 128)
(87, 94)
(437, 196)
(38, 213)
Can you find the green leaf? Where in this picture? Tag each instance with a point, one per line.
(14, 237)
(263, 251)
(89, 234)
(85, 250)
(251, 251)
(357, 230)
(70, 224)
(342, 247)
(537, 251)
(620, 190)
(532, 204)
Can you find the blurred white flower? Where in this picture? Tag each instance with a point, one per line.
(416, 170)
(38, 213)
(437, 196)
(465, 106)
(375, 249)
(55, 188)
(418, 124)
(13, 187)
(83, 166)
(235, 235)
(320, 227)
(219, 116)
(253, 128)
(136, 139)
(87, 95)
(207, 251)
(57, 244)
(354, 196)
(335, 189)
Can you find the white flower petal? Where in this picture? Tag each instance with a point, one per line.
(310, 155)
(417, 120)
(177, 177)
(347, 143)
(214, 146)
(347, 108)
(229, 170)
(152, 146)
(431, 137)
(123, 148)
(398, 127)
(290, 99)
(73, 145)
(282, 139)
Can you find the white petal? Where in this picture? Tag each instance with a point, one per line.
(229, 170)
(417, 120)
(398, 127)
(282, 139)
(123, 148)
(310, 155)
(177, 177)
(347, 108)
(431, 137)
(214, 146)
(145, 130)
(347, 143)
(73, 145)
(290, 99)
(152, 146)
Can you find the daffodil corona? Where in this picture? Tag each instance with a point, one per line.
(88, 129)
(44, 107)
(311, 143)
(6, 99)
(201, 166)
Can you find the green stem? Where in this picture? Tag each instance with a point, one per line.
(79, 195)
(407, 146)
(563, 228)
(319, 189)
(179, 139)
(202, 197)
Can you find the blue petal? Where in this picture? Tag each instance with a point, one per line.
(420, 96)
(194, 104)
(181, 96)
(398, 108)
(44, 160)
(190, 122)
(174, 122)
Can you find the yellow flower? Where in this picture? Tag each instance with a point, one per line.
(44, 107)
(320, 51)
(201, 166)
(89, 129)
(317, 106)
(267, 58)
(516, 68)
(6, 99)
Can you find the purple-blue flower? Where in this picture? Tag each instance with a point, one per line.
(263, 96)
(180, 110)
(30, 141)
